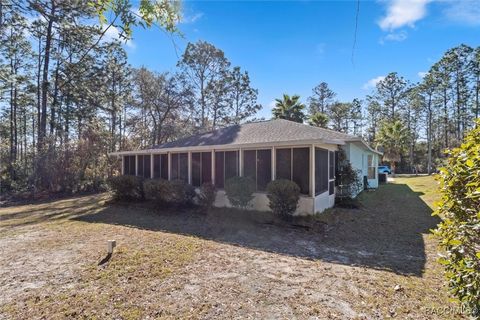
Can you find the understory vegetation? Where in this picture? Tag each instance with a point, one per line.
(459, 231)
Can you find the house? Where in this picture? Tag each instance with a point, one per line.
(265, 151)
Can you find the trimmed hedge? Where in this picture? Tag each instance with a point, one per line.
(239, 191)
(126, 187)
(459, 231)
(283, 195)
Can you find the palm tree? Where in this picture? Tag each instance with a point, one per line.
(318, 119)
(392, 137)
(289, 108)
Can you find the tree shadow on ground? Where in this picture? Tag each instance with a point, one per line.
(386, 233)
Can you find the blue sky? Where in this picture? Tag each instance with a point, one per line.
(291, 46)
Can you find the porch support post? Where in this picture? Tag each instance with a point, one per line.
(122, 158)
(151, 165)
(312, 170)
(274, 163)
(213, 166)
(240, 162)
(189, 179)
(169, 155)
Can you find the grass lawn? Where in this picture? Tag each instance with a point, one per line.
(375, 262)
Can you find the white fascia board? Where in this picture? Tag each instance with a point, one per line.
(227, 147)
(365, 145)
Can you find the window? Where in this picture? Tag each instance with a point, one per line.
(331, 165)
(226, 166)
(294, 164)
(321, 170)
(129, 165)
(371, 167)
(179, 167)
(156, 166)
(201, 168)
(143, 166)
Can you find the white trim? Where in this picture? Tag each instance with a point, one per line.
(122, 168)
(232, 147)
(213, 167)
(274, 163)
(169, 166)
(311, 170)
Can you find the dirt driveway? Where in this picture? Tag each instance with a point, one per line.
(376, 262)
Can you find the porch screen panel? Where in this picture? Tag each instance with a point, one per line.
(249, 164)
(231, 164)
(300, 169)
(264, 169)
(147, 166)
(140, 166)
(219, 169)
(174, 167)
(206, 167)
(284, 164)
(126, 165)
(156, 166)
(132, 161)
(164, 166)
(321, 170)
(183, 167)
(196, 169)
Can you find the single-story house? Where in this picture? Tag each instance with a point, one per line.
(265, 151)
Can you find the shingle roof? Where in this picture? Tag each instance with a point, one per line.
(277, 130)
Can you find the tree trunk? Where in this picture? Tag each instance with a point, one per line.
(46, 63)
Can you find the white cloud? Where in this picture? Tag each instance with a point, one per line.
(370, 84)
(114, 34)
(396, 36)
(422, 74)
(463, 11)
(401, 13)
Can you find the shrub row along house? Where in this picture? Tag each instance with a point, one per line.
(264, 151)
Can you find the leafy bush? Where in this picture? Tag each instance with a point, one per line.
(156, 190)
(126, 187)
(179, 193)
(206, 196)
(459, 230)
(239, 191)
(283, 195)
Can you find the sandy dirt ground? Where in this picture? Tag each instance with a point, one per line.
(375, 262)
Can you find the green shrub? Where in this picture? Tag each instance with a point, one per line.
(459, 231)
(206, 196)
(126, 187)
(156, 190)
(283, 195)
(239, 191)
(179, 193)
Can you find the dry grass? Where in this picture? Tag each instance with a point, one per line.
(171, 264)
